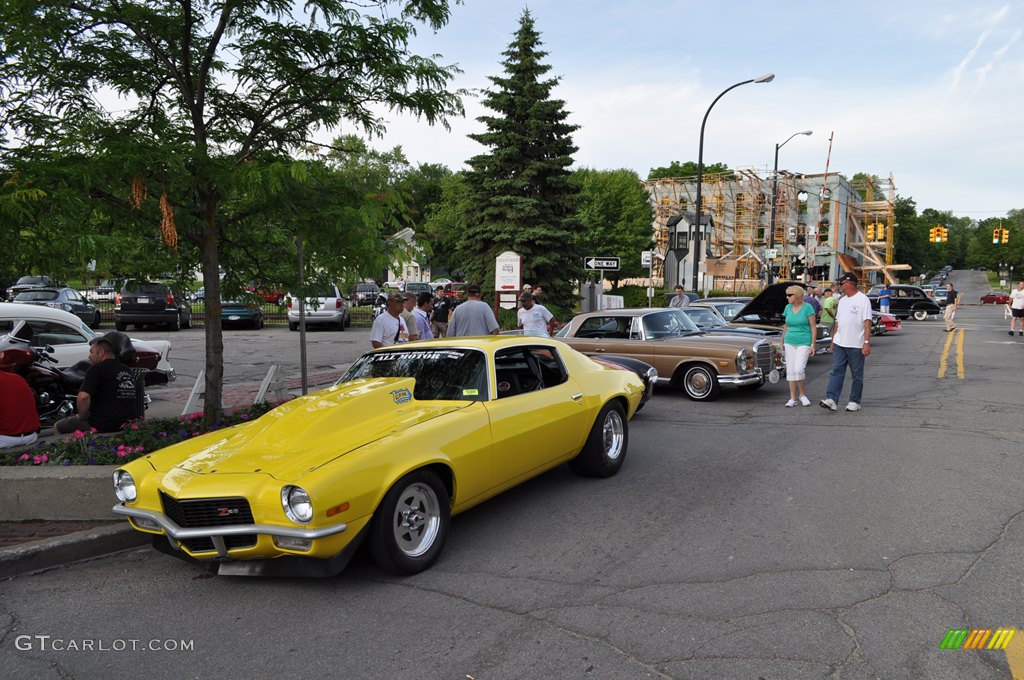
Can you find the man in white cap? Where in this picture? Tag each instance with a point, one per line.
(851, 343)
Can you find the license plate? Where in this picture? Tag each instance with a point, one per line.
(234, 317)
(143, 301)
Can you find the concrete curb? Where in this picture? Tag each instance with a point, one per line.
(42, 492)
(51, 552)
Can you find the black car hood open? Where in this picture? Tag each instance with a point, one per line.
(768, 306)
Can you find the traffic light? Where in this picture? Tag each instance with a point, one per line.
(933, 234)
(1006, 235)
(997, 235)
(871, 232)
(880, 231)
(939, 234)
(945, 233)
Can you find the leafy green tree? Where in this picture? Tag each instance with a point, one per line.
(689, 169)
(520, 194)
(445, 224)
(616, 215)
(203, 89)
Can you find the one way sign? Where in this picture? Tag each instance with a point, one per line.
(606, 264)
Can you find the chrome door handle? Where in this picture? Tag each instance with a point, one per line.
(600, 349)
(577, 397)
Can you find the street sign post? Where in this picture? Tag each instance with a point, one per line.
(604, 264)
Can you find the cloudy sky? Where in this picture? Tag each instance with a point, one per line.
(929, 91)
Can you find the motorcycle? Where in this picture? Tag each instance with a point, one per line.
(56, 389)
(380, 304)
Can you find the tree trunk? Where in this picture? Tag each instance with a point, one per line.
(213, 407)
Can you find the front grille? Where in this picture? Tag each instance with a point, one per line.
(210, 512)
(764, 357)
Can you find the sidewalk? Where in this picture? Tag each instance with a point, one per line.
(30, 545)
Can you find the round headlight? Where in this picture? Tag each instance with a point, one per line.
(743, 360)
(124, 486)
(297, 504)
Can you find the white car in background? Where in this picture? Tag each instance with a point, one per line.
(66, 333)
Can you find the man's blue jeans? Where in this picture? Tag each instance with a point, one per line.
(841, 358)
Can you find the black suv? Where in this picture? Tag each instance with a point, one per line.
(365, 293)
(28, 283)
(148, 302)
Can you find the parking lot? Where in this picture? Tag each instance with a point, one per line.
(741, 539)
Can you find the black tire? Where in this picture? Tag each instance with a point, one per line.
(341, 324)
(348, 320)
(400, 540)
(176, 324)
(120, 326)
(293, 326)
(187, 323)
(257, 323)
(700, 382)
(605, 450)
(920, 315)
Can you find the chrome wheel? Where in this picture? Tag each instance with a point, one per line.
(700, 383)
(612, 434)
(416, 520)
(920, 316)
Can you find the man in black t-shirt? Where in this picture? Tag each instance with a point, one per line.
(439, 318)
(107, 397)
(952, 303)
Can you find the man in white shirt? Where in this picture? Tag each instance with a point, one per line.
(389, 328)
(534, 319)
(1017, 308)
(850, 344)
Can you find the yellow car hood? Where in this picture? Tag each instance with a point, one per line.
(307, 432)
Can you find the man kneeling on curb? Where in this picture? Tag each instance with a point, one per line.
(107, 398)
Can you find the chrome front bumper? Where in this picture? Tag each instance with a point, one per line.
(216, 533)
(740, 380)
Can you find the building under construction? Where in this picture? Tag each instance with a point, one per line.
(824, 225)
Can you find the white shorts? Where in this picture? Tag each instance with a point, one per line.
(796, 361)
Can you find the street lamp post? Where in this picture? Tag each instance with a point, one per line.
(767, 78)
(775, 188)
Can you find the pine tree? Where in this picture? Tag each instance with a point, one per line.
(520, 194)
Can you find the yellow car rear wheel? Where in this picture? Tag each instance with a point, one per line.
(606, 446)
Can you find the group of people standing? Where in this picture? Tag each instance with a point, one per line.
(408, 317)
(850, 318)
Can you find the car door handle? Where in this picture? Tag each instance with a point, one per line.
(600, 349)
(578, 396)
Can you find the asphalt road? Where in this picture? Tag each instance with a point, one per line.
(741, 539)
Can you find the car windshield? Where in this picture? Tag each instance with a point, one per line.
(31, 281)
(730, 309)
(447, 373)
(667, 323)
(36, 296)
(704, 318)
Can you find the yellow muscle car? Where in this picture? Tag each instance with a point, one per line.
(409, 436)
